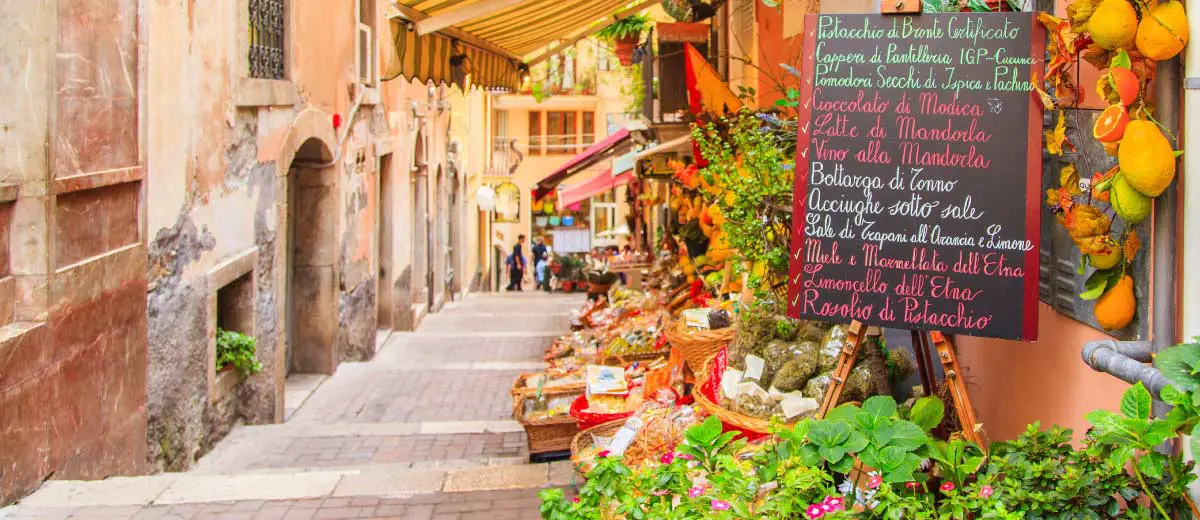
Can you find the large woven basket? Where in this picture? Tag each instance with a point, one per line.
(753, 426)
(547, 434)
(697, 346)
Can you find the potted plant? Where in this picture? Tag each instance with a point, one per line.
(625, 34)
(693, 237)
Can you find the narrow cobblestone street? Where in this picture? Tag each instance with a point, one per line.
(424, 431)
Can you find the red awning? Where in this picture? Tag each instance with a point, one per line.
(602, 182)
(592, 155)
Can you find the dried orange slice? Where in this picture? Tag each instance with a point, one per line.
(1110, 126)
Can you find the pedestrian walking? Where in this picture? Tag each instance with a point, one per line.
(517, 265)
(539, 256)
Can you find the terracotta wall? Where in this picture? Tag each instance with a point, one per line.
(72, 285)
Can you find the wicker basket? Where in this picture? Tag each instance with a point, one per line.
(620, 360)
(753, 426)
(587, 437)
(548, 434)
(696, 347)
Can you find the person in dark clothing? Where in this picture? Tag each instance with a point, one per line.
(517, 270)
(539, 253)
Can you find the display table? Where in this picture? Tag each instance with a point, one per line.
(633, 273)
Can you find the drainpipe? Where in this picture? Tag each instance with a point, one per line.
(1127, 360)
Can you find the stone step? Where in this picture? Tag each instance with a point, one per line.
(314, 446)
(382, 482)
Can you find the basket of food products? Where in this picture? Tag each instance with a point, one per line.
(614, 393)
(544, 412)
(780, 368)
(699, 333)
(648, 435)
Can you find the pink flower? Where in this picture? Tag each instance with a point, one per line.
(695, 491)
(720, 505)
(604, 454)
(986, 492)
(833, 504)
(815, 511)
(913, 485)
(874, 482)
(685, 456)
(947, 487)
(575, 500)
(660, 492)
(668, 457)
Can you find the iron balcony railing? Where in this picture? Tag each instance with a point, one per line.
(506, 156)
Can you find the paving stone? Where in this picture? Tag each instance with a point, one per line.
(421, 432)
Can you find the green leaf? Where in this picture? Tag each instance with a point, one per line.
(809, 455)
(1178, 365)
(908, 436)
(844, 413)
(1159, 432)
(1121, 456)
(1174, 396)
(1095, 285)
(855, 442)
(891, 457)
(833, 454)
(1109, 427)
(1195, 441)
(1151, 464)
(844, 465)
(1122, 60)
(882, 434)
(927, 413)
(880, 406)
(1136, 402)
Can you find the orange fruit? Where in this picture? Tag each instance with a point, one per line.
(1114, 310)
(1163, 31)
(1126, 84)
(1110, 126)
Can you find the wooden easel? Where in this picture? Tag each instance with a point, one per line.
(847, 358)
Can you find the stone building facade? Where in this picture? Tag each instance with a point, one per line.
(172, 168)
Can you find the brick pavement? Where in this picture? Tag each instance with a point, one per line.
(421, 432)
(489, 505)
(318, 452)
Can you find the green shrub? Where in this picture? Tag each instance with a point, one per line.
(237, 350)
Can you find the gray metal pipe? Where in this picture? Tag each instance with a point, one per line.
(1166, 211)
(1125, 360)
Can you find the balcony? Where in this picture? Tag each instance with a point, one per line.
(664, 75)
(506, 156)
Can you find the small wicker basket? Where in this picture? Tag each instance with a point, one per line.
(545, 434)
(697, 346)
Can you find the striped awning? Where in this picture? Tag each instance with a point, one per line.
(427, 58)
(495, 43)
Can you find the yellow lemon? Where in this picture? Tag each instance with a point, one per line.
(1129, 204)
(1146, 158)
(1113, 24)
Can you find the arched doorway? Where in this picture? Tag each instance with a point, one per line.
(456, 239)
(421, 250)
(311, 311)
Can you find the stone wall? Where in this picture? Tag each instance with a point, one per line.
(72, 276)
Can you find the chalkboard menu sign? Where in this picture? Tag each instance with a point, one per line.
(918, 173)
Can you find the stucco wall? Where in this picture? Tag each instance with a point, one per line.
(219, 150)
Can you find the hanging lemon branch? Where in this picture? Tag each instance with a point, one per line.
(1123, 38)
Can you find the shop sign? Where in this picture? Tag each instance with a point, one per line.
(918, 173)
